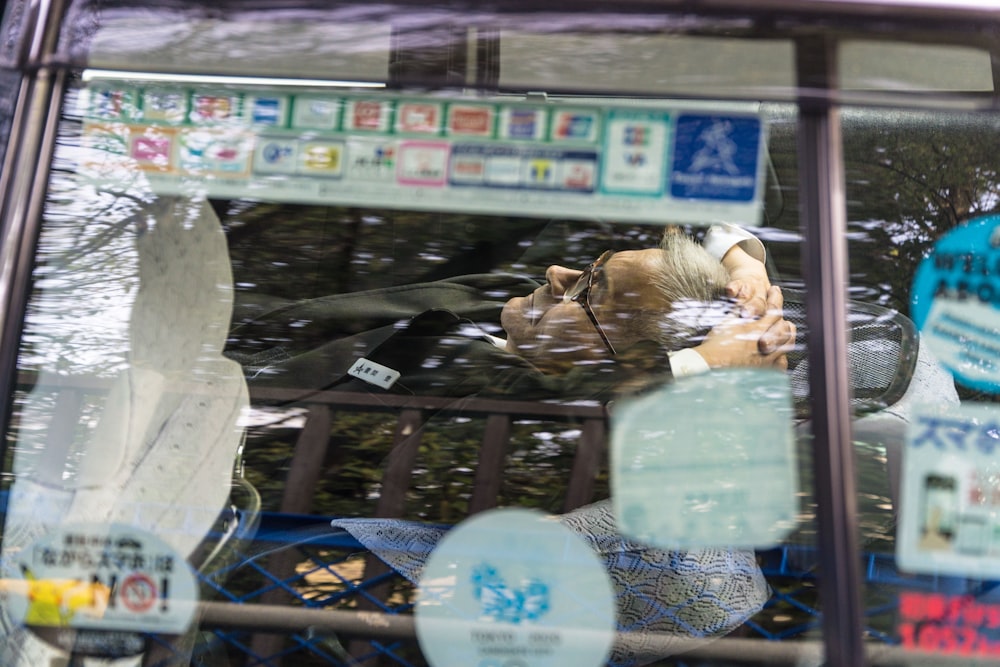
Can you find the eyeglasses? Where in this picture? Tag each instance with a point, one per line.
(580, 293)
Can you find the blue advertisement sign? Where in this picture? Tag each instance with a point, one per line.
(715, 157)
(955, 302)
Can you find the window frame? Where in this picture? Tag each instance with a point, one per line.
(818, 27)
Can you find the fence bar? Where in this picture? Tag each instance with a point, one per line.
(489, 473)
(589, 454)
(374, 625)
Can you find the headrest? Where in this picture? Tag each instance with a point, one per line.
(882, 353)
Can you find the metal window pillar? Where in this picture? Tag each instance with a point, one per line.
(824, 258)
(24, 179)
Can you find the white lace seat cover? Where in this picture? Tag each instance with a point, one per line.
(161, 456)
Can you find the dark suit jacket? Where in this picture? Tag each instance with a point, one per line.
(432, 333)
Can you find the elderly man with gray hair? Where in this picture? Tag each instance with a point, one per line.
(629, 318)
(677, 309)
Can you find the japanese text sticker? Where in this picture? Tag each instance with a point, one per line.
(956, 302)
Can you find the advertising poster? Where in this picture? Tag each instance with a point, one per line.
(950, 505)
(955, 302)
(505, 157)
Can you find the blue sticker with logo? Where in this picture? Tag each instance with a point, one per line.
(527, 591)
(267, 111)
(955, 302)
(275, 155)
(523, 123)
(716, 158)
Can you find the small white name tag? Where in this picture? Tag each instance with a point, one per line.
(373, 373)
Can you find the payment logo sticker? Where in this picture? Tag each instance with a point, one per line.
(503, 166)
(419, 118)
(577, 172)
(367, 115)
(467, 169)
(423, 163)
(107, 137)
(372, 159)
(575, 125)
(716, 158)
(275, 155)
(321, 158)
(315, 113)
(165, 106)
(635, 148)
(208, 109)
(112, 104)
(539, 173)
(270, 110)
(153, 149)
(519, 123)
(469, 120)
(214, 151)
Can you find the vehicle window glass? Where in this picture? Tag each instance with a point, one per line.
(8, 92)
(10, 30)
(13, 29)
(702, 66)
(334, 318)
(914, 67)
(358, 50)
(298, 329)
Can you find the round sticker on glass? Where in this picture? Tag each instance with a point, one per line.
(955, 302)
(674, 448)
(514, 588)
(103, 582)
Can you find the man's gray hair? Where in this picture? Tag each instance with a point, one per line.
(693, 283)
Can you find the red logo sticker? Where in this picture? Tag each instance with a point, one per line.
(367, 115)
(471, 120)
(419, 118)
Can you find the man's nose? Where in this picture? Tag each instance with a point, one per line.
(561, 279)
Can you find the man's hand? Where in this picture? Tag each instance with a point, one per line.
(761, 342)
(748, 282)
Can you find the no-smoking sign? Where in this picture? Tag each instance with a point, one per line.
(103, 580)
(139, 593)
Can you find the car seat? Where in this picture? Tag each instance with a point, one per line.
(168, 432)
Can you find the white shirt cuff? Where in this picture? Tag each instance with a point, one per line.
(687, 362)
(720, 238)
(496, 341)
